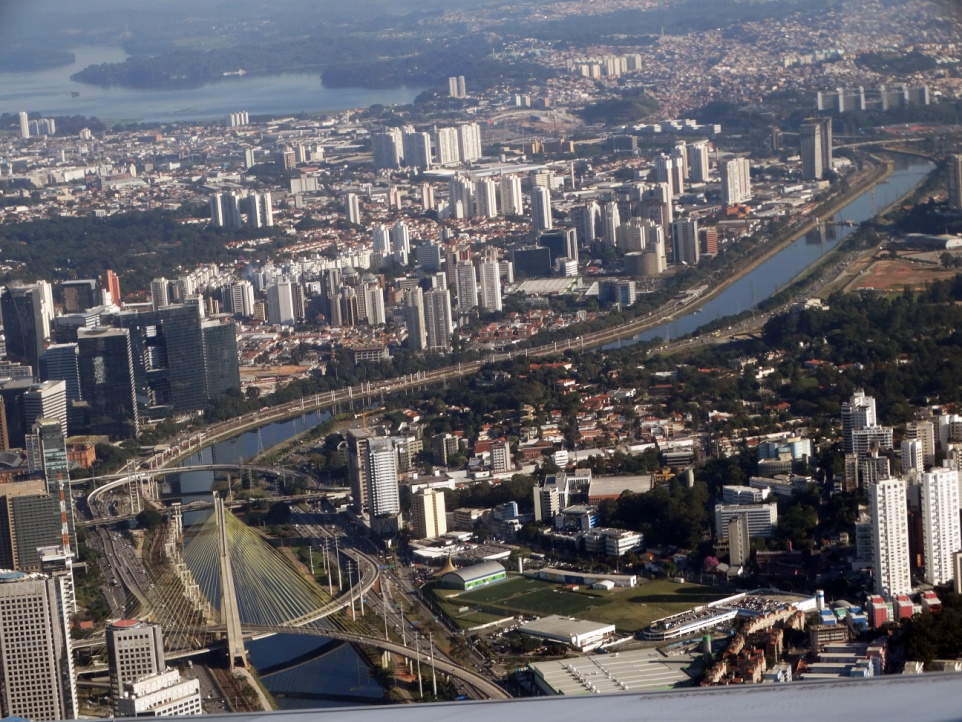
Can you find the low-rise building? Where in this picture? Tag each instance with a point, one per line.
(578, 633)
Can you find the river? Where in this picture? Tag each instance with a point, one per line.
(773, 274)
(337, 676)
(52, 92)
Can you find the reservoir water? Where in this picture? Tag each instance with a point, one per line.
(767, 278)
(52, 92)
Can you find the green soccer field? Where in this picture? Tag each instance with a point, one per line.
(629, 609)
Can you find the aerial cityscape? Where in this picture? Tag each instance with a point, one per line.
(416, 353)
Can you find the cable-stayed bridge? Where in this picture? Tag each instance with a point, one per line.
(221, 579)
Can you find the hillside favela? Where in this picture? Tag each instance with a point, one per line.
(445, 354)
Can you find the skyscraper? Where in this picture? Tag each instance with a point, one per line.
(352, 209)
(541, 209)
(447, 146)
(955, 182)
(111, 285)
(486, 194)
(35, 651)
(512, 203)
(225, 210)
(890, 537)
(107, 381)
(358, 462)
(80, 295)
(815, 137)
(698, 162)
(469, 142)
(467, 286)
(24, 124)
(242, 299)
(382, 486)
(611, 220)
(220, 357)
(414, 319)
(461, 193)
(428, 514)
(168, 352)
(684, 237)
(159, 293)
(387, 149)
(60, 362)
(280, 303)
(491, 285)
(135, 649)
(26, 310)
(45, 400)
(942, 535)
(437, 319)
(736, 181)
(260, 213)
(417, 150)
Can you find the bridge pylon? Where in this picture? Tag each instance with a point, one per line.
(229, 611)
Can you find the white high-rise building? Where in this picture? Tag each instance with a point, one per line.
(469, 142)
(36, 663)
(913, 457)
(400, 237)
(942, 534)
(374, 309)
(890, 537)
(46, 400)
(858, 413)
(456, 87)
(428, 517)
(225, 210)
(382, 483)
(512, 203)
(491, 285)
(461, 194)
(242, 298)
(670, 170)
(352, 209)
(736, 181)
(698, 162)
(486, 195)
(447, 146)
(611, 221)
(541, 209)
(260, 212)
(24, 124)
(159, 293)
(417, 150)
(467, 286)
(387, 148)
(381, 237)
(280, 303)
(585, 219)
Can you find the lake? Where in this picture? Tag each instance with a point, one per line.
(51, 93)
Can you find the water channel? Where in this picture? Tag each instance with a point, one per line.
(780, 269)
(323, 673)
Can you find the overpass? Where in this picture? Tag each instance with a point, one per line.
(476, 681)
